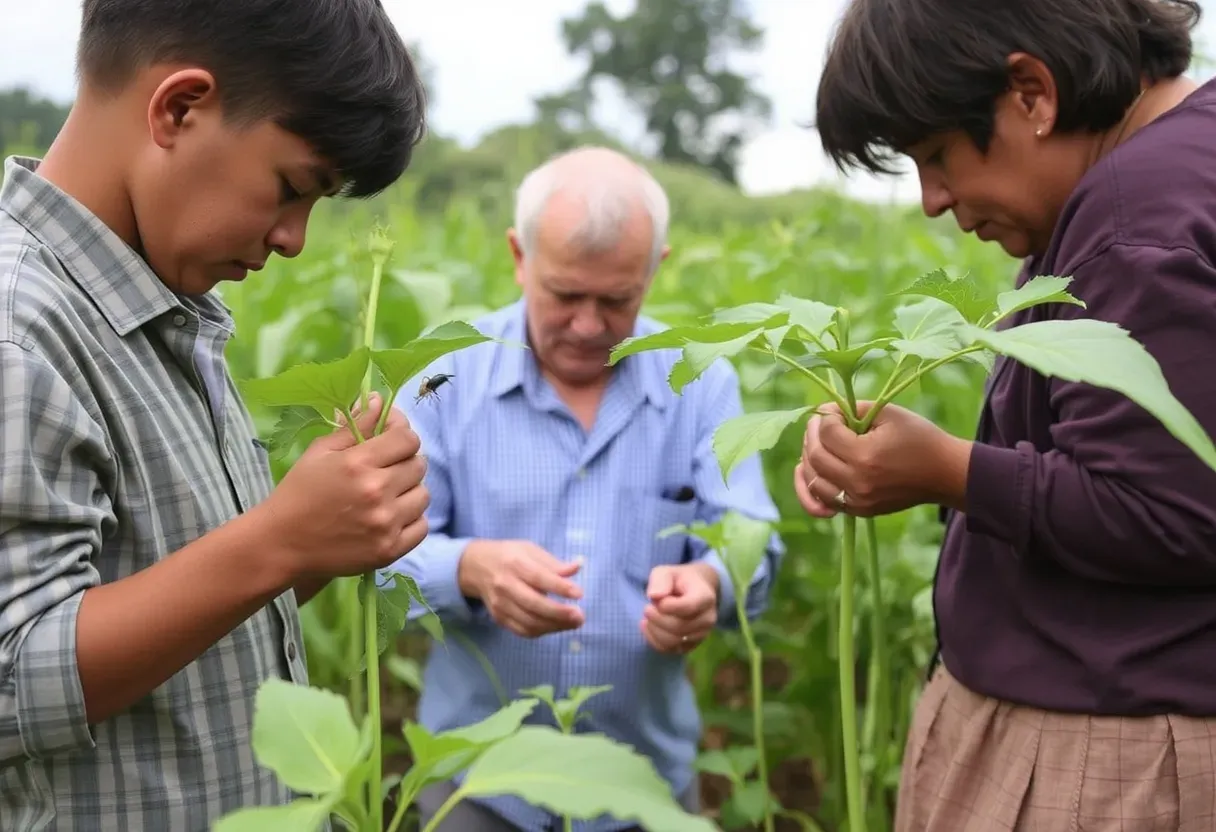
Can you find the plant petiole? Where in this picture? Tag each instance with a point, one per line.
(890, 394)
(823, 385)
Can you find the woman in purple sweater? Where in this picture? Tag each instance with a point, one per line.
(1076, 590)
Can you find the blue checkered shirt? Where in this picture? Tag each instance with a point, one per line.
(508, 460)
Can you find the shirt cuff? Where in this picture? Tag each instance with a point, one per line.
(998, 493)
(49, 712)
(434, 567)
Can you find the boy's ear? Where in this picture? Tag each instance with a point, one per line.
(177, 103)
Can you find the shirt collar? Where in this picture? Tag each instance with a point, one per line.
(636, 376)
(116, 279)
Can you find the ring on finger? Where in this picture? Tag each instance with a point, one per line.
(841, 499)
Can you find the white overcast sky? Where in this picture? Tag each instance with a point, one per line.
(492, 58)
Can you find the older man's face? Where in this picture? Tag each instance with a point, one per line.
(580, 306)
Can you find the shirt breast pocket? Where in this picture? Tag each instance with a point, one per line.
(653, 515)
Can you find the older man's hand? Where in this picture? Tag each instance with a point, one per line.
(514, 578)
(683, 607)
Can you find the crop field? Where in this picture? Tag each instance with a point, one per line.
(455, 265)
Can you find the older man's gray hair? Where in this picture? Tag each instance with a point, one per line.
(611, 187)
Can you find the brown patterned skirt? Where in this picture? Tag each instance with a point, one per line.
(975, 764)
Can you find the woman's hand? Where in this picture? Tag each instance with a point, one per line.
(903, 460)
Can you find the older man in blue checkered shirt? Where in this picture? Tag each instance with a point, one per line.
(551, 476)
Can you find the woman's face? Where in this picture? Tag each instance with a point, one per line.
(1013, 193)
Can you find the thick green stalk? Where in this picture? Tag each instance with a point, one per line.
(371, 643)
(756, 663)
(878, 706)
(351, 607)
(443, 810)
(848, 693)
(846, 661)
(373, 698)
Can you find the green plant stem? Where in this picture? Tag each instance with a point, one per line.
(876, 733)
(369, 322)
(371, 642)
(354, 644)
(810, 374)
(890, 394)
(756, 663)
(848, 693)
(447, 806)
(403, 803)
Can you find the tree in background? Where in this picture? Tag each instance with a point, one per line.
(28, 121)
(670, 59)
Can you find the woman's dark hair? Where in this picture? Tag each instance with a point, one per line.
(899, 71)
(334, 72)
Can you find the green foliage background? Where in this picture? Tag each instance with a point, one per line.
(448, 217)
(451, 262)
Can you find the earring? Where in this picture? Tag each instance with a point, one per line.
(1039, 132)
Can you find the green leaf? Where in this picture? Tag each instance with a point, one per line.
(502, 723)
(744, 541)
(568, 710)
(298, 816)
(716, 762)
(931, 329)
(738, 438)
(769, 314)
(677, 337)
(438, 757)
(1038, 290)
(847, 362)
(735, 763)
(305, 735)
(750, 800)
(327, 387)
(432, 625)
(813, 317)
(405, 670)
(397, 366)
(1105, 355)
(582, 776)
(964, 293)
(393, 607)
(291, 423)
(698, 357)
(565, 711)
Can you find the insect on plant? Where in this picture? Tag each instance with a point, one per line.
(430, 385)
(949, 320)
(309, 736)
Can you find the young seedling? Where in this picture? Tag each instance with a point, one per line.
(740, 542)
(566, 712)
(951, 320)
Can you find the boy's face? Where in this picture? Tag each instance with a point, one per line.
(213, 201)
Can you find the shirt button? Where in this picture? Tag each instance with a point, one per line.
(179, 320)
(291, 650)
(575, 646)
(582, 473)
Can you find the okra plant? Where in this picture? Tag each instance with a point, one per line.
(309, 736)
(950, 320)
(740, 542)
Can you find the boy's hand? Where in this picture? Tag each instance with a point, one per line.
(346, 508)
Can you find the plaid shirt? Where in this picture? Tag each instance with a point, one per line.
(124, 439)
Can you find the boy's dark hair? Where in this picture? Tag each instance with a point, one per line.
(899, 71)
(334, 72)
